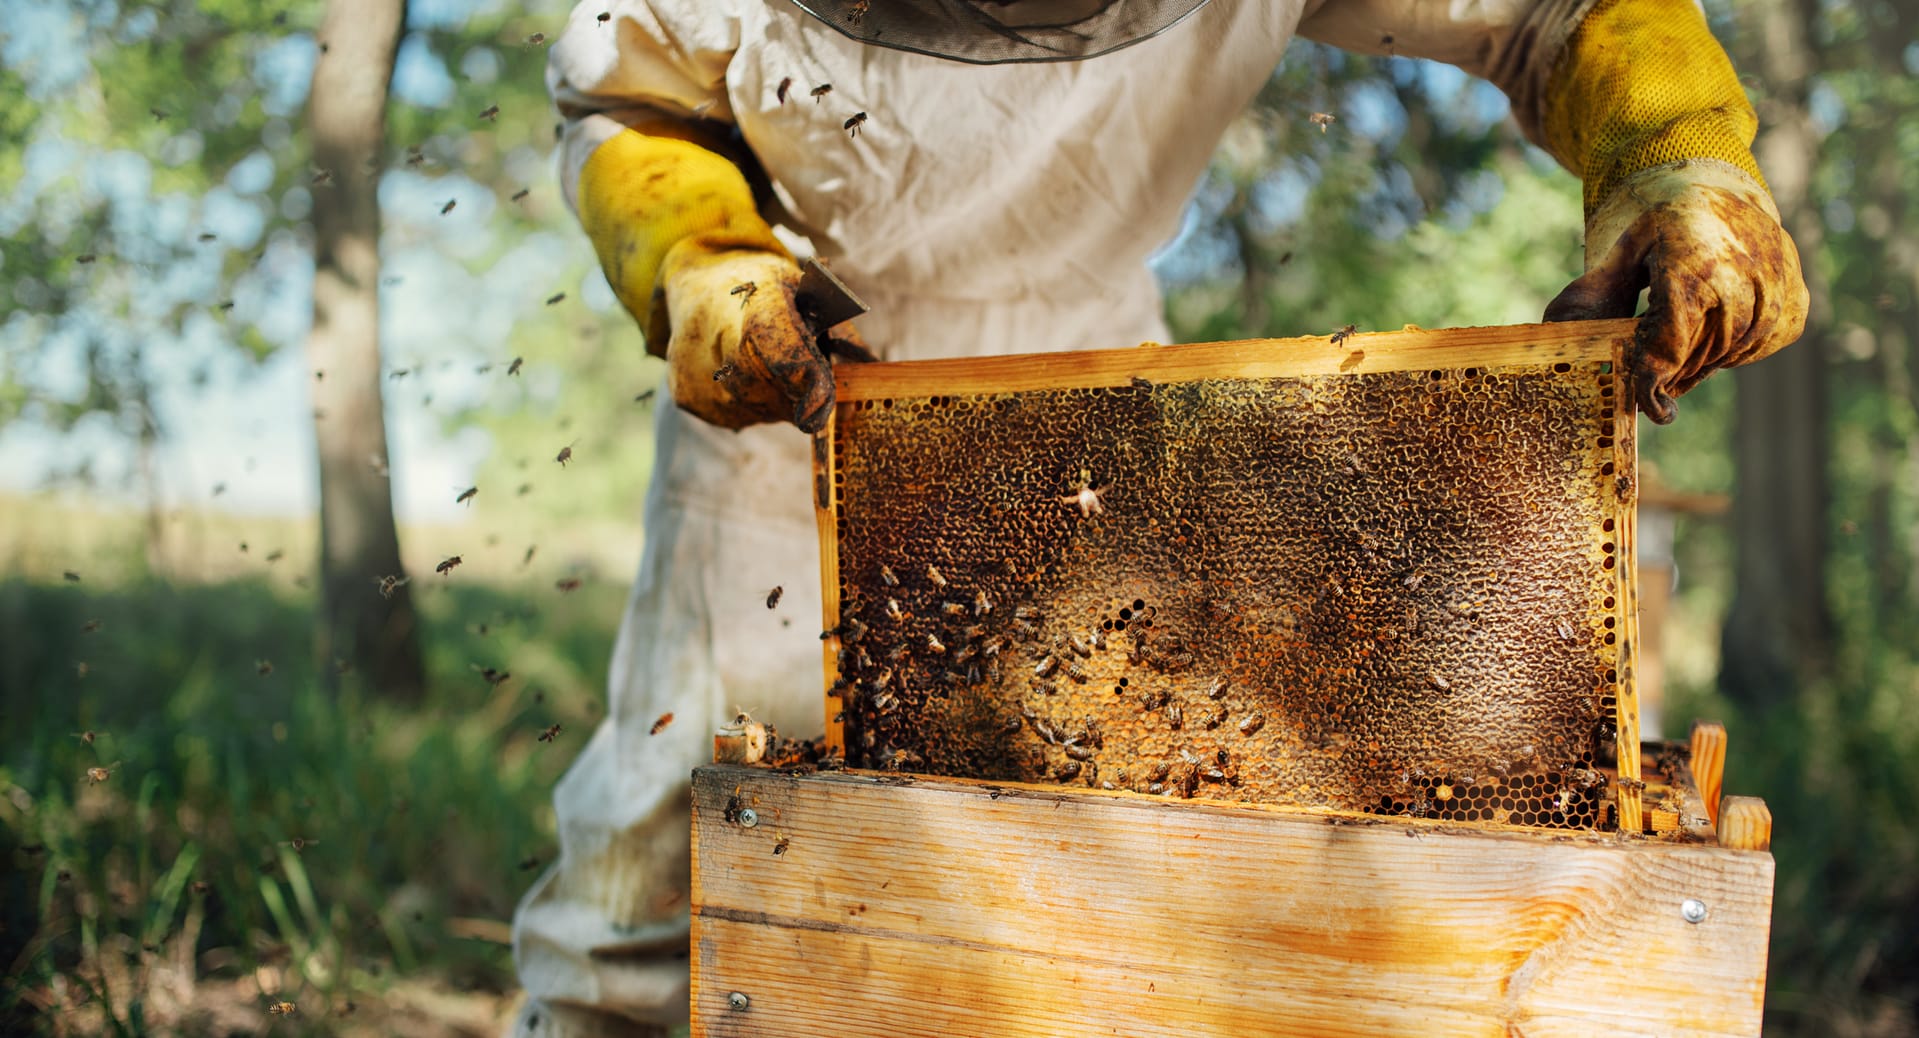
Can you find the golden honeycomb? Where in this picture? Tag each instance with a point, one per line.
(1376, 589)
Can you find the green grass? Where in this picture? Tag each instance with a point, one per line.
(180, 869)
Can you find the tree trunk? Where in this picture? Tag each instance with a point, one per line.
(1778, 633)
(359, 627)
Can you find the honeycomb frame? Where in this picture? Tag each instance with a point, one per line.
(1376, 665)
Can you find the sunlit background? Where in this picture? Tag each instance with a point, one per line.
(271, 829)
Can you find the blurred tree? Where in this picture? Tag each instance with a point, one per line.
(359, 544)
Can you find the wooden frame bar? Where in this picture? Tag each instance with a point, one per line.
(881, 905)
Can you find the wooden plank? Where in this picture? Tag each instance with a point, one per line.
(1745, 823)
(938, 907)
(824, 517)
(1709, 763)
(1364, 352)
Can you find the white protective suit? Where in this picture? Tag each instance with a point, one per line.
(981, 210)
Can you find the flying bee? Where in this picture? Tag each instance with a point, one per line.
(557, 297)
(282, 1008)
(567, 585)
(603, 17)
(85, 258)
(467, 495)
(263, 667)
(856, 12)
(744, 290)
(853, 123)
(1629, 785)
(786, 84)
(322, 178)
(415, 157)
(514, 368)
(521, 193)
(90, 626)
(87, 736)
(939, 579)
(565, 455)
(490, 113)
(1252, 723)
(536, 39)
(773, 597)
(1344, 333)
(820, 91)
(552, 732)
(1322, 120)
(298, 843)
(97, 775)
(448, 207)
(446, 565)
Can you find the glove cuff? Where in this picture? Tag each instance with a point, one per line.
(1648, 189)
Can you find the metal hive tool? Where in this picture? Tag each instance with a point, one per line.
(1389, 574)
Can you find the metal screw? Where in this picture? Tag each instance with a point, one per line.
(748, 818)
(738, 1001)
(1693, 909)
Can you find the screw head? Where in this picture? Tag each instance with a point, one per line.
(1693, 910)
(738, 1001)
(749, 817)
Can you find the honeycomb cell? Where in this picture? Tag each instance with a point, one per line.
(1354, 583)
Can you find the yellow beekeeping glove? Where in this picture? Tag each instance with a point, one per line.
(1644, 106)
(692, 260)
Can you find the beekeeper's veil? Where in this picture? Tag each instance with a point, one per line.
(992, 32)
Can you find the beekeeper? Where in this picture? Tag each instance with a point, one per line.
(990, 177)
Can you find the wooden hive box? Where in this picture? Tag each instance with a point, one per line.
(1317, 719)
(1378, 572)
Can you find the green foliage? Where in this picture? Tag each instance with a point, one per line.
(405, 818)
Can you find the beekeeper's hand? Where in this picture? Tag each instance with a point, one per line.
(1644, 105)
(1725, 283)
(692, 260)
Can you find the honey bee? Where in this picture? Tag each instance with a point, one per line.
(448, 207)
(552, 732)
(322, 178)
(1076, 672)
(567, 584)
(1322, 120)
(565, 455)
(298, 843)
(1068, 771)
(773, 597)
(85, 258)
(1566, 632)
(87, 736)
(1047, 664)
(1218, 689)
(603, 17)
(644, 397)
(1342, 334)
(1080, 648)
(282, 1008)
(446, 565)
(514, 368)
(1078, 752)
(1440, 683)
(786, 84)
(415, 157)
(1175, 717)
(275, 555)
(70, 576)
(557, 297)
(887, 575)
(953, 609)
(933, 642)
(744, 290)
(856, 12)
(853, 123)
(933, 574)
(467, 495)
(90, 626)
(536, 39)
(199, 886)
(521, 193)
(724, 371)
(490, 113)
(97, 775)
(780, 847)
(820, 91)
(1087, 498)
(893, 611)
(264, 667)
(1252, 723)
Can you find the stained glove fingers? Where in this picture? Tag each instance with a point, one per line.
(1612, 287)
(1677, 320)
